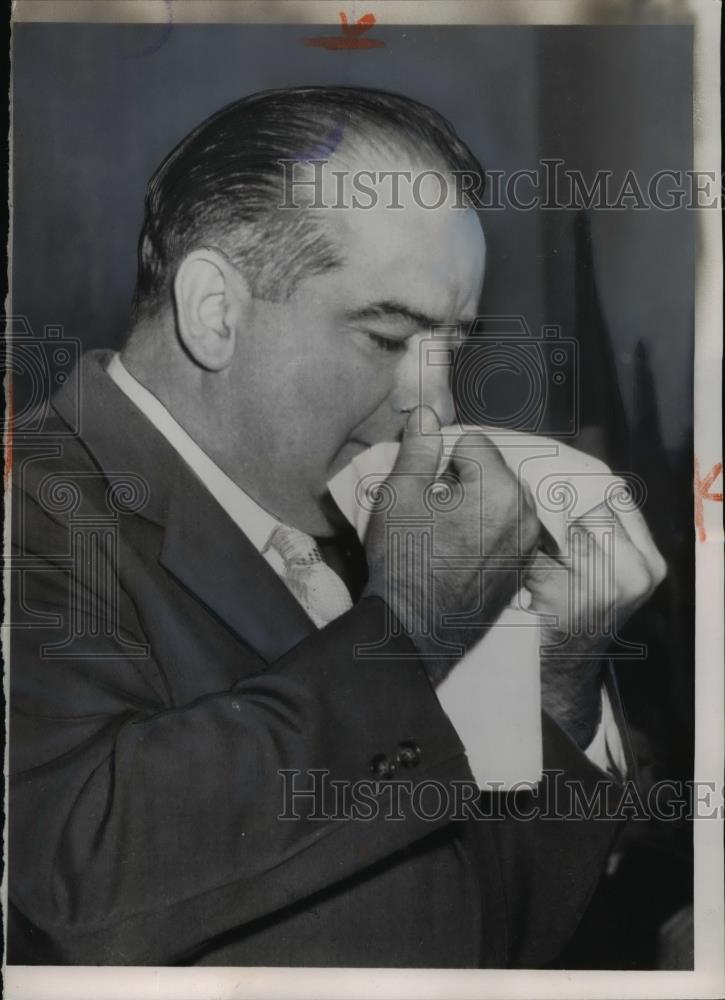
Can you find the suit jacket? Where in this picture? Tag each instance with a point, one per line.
(162, 676)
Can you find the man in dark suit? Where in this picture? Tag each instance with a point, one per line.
(191, 617)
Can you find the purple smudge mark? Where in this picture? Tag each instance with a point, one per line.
(325, 148)
(152, 47)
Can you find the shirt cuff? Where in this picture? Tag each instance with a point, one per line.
(493, 698)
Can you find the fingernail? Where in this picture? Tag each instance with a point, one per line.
(427, 418)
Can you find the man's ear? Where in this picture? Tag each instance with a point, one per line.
(210, 296)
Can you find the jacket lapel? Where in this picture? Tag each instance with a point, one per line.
(202, 547)
(206, 552)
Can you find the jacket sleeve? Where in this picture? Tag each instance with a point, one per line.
(138, 830)
(552, 845)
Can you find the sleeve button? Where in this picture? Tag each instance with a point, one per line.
(408, 754)
(382, 766)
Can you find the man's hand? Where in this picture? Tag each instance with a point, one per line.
(427, 551)
(607, 573)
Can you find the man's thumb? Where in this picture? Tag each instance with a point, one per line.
(420, 449)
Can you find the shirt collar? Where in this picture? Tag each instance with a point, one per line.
(256, 523)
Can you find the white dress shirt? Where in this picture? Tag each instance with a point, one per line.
(258, 525)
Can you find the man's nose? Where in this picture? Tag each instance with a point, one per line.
(424, 379)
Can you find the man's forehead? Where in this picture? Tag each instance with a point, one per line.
(398, 223)
(437, 256)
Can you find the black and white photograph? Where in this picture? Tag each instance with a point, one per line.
(363, 500)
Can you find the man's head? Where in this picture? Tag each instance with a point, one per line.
(286, 339)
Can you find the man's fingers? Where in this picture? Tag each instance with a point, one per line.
(635, 525)
(471, 453)
(634, 579)
(630, 526)
(420, 449)
(549, 545)
(540, 570)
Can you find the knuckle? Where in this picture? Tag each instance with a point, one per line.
(659, 570)
(501, 483)
(634, 583)
(478, 447)
(417, 454)
(530, 529)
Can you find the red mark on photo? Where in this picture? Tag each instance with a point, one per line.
(351, 37)
(702, 493)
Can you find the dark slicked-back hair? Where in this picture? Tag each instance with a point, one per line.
(223, 184)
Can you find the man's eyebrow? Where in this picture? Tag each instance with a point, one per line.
(396, 310)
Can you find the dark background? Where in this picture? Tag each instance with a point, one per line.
(96, 107)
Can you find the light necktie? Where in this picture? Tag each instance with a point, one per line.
(318, 588)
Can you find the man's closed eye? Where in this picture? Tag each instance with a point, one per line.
(392, 345)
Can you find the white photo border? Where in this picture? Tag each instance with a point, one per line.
(707, 980)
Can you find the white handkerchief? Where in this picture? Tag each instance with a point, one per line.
(493, 694)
